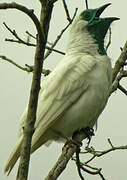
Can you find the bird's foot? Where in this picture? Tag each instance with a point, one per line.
(85, 132)
(89, 132)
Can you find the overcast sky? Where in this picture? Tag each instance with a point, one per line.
(15, 87)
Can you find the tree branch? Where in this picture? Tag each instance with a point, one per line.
(21, 41)
(101, 153)
(15, 64)
(42, 30)
(116, 82)
(67, 152)
(120, 62)
(27, 68)
(122, 89)
(66, 11)
(109, 41)
(59, 36)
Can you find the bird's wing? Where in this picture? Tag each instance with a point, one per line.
(60, 90)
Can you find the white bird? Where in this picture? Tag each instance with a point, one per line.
(75, 93)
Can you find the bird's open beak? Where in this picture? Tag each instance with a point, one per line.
(101, 9)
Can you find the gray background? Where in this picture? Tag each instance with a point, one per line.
(15, 86)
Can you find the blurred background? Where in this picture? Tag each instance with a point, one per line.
(15, 86)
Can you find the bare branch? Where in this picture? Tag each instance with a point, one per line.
(120, 62)
(116, 82)
(90, 159)
(78, 163)
(27, 68)
(101, 175)
(16, 36)
(46, 12)
(59, 36)
(122, 89)
(15, 64)
(101, 153)
(86, 4)
(109, 141)
(97, 171)
(30, 35)
(67, 152)
(109, 41)
(66, 11)
(32, 107)
(21, 41)
(29, 12)
(55, 50)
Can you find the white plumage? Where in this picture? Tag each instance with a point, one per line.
(73, 95)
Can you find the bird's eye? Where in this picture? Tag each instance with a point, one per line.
(87, 15)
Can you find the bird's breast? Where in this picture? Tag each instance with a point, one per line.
(86, 110)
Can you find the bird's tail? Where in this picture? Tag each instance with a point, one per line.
(36, 143)
(13, 156)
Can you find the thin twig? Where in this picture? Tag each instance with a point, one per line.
(101, 175)
(122, 89)
(67, 11)
(90, 159)
(78, 163)
(120, 62)
(86, 4)
(30, 35)
(59, 36)
(91, 172)
(15, 64)
(116, 82)
(21, 41)
(109, 41)
(109, 141)
(28, 68)
(81, 165)
(101, 153)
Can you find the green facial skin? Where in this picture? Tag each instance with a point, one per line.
(97, 26)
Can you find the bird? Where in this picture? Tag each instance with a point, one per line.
(75, 93)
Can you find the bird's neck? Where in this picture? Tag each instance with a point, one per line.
(84, 42)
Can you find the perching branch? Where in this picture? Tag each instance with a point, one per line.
(67, 152)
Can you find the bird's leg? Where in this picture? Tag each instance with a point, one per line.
(86, 133)
(89, 132)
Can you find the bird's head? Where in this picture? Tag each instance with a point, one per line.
(90, 20)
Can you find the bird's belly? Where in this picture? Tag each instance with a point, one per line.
(84, 112)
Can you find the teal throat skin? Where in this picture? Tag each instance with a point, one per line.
(97, 26)
(98, 32)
